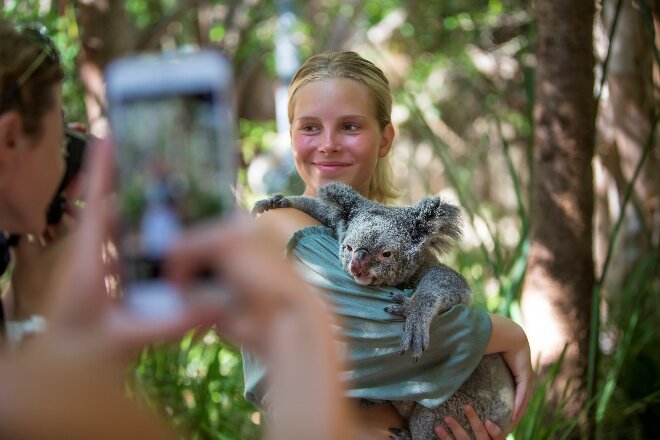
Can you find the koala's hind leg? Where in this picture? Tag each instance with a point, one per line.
(422, 423)
(400, 434)
(490, 390)
(405, 408)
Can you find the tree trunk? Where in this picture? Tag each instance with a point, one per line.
(560, 277)
(628, 114)
(105, 33)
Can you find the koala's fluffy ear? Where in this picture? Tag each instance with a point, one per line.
(346, 200)
(437, 223)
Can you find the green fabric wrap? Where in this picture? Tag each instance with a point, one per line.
(459, 336)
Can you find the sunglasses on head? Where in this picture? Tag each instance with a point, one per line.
(48, 52)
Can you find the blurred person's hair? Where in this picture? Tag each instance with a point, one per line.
(29, 68)
(328, 65)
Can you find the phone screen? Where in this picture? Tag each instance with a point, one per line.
(171, 175)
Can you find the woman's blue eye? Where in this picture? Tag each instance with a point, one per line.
(350, 127)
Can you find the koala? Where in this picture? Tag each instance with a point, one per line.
(399, 246)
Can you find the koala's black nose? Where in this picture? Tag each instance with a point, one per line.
(361, 256)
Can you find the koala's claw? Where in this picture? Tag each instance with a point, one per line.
(402, 304)
(275, 202)
(415, 328)
(406, 340)
(399, 297)
(397, 309)
(416, 336)
(400, 434)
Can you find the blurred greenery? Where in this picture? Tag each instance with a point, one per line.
(462, 75)
(198, 385)
(256, 137)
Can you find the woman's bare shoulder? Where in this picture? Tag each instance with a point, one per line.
(278, 225)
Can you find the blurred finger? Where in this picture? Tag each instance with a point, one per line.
(98, 169)
(130, 332)
(440, 432)
(456, 429)
(232, 251)
(494, 431)
(80, 287)
(523, 394)
(96, 219)
(475, 423)
(201, 247)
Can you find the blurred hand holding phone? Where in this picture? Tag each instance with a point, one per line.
(172, 121)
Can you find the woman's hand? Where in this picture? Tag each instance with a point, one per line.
(482, 430)
(81, 316)
(264, 305)
(68, 381)
(510, 340)
(257, 288)
(520, 364)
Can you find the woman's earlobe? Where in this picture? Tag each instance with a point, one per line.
(10, 129)
(387, 138)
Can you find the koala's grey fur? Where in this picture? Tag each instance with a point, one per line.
(399, 246)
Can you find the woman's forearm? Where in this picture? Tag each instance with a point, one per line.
(506, 335)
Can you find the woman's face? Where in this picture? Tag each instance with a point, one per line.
(30, 172)
(335, 134)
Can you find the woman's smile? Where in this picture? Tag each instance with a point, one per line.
(331, 167)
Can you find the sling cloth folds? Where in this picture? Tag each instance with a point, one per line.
(371, 336)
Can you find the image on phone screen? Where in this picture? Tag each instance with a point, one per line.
(171, 175)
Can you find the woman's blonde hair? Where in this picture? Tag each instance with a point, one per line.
(351, 65)
(27, 91)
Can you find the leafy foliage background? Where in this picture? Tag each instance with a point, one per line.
(462, 75)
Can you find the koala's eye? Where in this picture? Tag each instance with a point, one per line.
(387, 254)
(349, 248)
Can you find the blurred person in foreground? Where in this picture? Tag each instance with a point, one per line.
(67, 381)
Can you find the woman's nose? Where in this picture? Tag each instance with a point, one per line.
(329, 142)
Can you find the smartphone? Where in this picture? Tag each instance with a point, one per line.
(172, 121)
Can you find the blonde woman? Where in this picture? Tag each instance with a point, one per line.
(341, 130)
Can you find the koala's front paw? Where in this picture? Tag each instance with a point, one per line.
(415, 335)
(275, 202)
(416, 328)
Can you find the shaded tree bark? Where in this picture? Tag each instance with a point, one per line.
(560, 277)
(625, 123)
(106, 32)
(627, 117)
